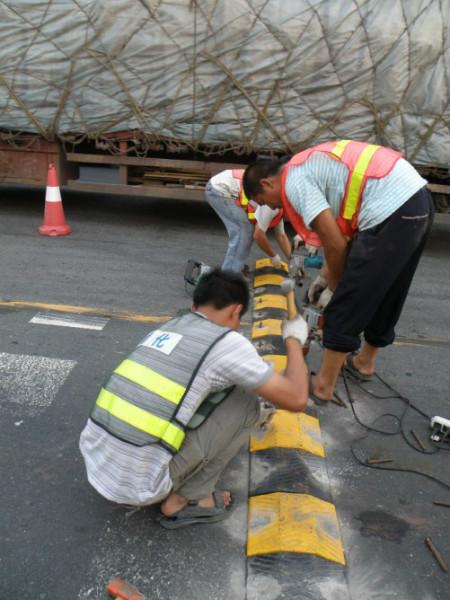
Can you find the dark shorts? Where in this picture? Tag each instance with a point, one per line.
(378, 272)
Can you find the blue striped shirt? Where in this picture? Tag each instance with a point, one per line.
(319, 183)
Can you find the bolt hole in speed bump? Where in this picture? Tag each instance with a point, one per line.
(293, 537)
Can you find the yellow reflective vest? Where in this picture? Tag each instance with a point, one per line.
(141, 401)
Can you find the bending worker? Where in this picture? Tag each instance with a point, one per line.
(243, 221)
(369, 208)
(170, 418)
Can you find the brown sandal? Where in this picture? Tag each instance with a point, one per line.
(353, 371)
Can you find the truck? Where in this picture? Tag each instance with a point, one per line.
(152, 97)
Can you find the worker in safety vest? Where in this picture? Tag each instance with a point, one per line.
(244, 220)
(369, 208)
(177, 410)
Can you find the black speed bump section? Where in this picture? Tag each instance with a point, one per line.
(288, 470)
(292, 521)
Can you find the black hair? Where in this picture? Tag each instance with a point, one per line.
(264, 167)
(220, 288)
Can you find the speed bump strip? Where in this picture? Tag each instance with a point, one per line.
(293, 533)
(262, 263)
(279, 361)
(295, 523)
(268, 280)
(270, 301)
(291, 430)
(266, 327)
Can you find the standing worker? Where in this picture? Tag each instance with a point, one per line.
(169, 420)
(225, 195)
(369, 208)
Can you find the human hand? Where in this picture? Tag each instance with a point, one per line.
(311, 250)
(276, 261)
(316, 288)
(297, 242)
(296, 328)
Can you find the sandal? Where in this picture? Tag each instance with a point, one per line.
(317, 401)
(353, 371)
(193, 514)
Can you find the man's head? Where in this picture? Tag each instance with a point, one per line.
(222, 296)
(262, 182)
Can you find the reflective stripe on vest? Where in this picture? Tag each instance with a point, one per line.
(141, 402)
(363, 161)
(242, 200)
(151, 380)
(351, 202)
(141, 419)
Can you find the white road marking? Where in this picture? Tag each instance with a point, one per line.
(69, 320)
(31, 382)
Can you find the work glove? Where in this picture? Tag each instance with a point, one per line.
(297, 241)
(316, 288)
(296, 328)
(276, 261)
(324, 298)
(311, 250)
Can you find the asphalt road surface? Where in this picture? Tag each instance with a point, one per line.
(60, 540)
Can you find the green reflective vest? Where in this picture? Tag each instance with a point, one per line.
(144, 395)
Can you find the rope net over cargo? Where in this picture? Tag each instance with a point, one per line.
(239, 75)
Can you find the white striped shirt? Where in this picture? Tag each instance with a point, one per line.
(319, 183)
(135, 475)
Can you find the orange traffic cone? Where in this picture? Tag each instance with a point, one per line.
(54, 222)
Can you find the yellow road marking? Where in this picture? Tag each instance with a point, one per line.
(268, 280)
(279, 361)
(265, 262)
(86, 310)
(297, 523)
(291, 430)
(270, 301)
(266, 327)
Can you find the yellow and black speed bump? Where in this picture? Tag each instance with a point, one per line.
(294, 545)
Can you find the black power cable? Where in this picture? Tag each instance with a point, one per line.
(399, 428)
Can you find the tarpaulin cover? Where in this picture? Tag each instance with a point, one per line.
(243, 75)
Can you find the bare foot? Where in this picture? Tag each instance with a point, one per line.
(174, 502)
(319, 390)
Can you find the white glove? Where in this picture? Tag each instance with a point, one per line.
(311, 250)
(276, 261)
(325, 297)
(297, 241)
(316, 288)
(296, 328)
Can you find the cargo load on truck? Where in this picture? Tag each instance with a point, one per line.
(244, 77)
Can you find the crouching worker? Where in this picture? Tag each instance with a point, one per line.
(181, 406)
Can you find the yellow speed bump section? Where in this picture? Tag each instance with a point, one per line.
(279, 361)
(266, 262)
(268, 280)
(291, 430)
(270, 301)
(294, 523)
(266, 327)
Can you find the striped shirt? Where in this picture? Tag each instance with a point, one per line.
(135, 475)
(319, 183)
